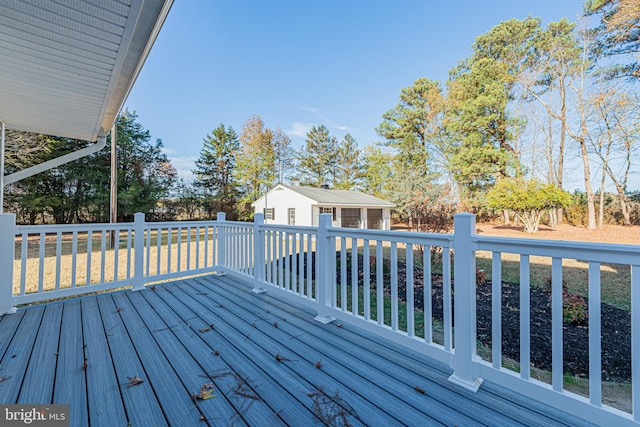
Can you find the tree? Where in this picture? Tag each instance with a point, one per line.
(215, 170)
(529, 199)
(284, 155)
(145, 174)
(349, 167)
(377, 171)
(616, 133)
(255, 168)
(413, 127)
(480, 126)
(316, 160)
(617, 35)
(554, 62)
(79, 191)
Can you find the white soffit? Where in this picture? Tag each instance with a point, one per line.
(67, 66)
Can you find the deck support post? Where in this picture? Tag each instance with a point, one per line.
(323, 269)
(464, 271)
(258, 254)
(138, 251)
(7, 254)
(221, 217)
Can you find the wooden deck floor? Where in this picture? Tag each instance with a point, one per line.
(212, 331)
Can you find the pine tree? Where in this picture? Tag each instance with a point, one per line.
(349, 166)
(316, 160)
(214, 170)
(255, 169)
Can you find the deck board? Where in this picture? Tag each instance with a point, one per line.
(181, 335)
(140, 402)
(336, 373)
(16, 357)
(70, 386)
(230, 347)
(170, 392)
(38, 381)
(104, 401)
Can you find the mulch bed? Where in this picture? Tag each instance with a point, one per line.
(615, 328)
(615, 325)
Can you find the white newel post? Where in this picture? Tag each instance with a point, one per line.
(323, 269)
(7, 254)
(138, 250)
(258, 254)
(221, 217)
(464, 271)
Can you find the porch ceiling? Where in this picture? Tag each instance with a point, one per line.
(67, 67)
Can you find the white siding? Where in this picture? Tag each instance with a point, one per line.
(307, 210)
(282, 200)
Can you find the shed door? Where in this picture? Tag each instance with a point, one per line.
(350, 217)
(374, 219)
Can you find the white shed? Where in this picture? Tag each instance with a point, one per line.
(296, 205)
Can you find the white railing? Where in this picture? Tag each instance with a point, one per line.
(368, 278)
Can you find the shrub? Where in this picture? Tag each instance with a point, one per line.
(529, 199)
(574, 307)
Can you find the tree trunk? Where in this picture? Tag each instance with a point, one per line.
(591, 206)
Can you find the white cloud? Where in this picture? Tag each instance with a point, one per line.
(324, 119)
(299, 129)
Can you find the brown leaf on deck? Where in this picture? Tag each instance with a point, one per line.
(419, 390)
(204, 330)
(318, 364)
(275, 324)
(282, 358)
(134, 381)
(216, 353)
(85, 364)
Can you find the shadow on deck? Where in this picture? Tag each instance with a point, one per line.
(263, 361)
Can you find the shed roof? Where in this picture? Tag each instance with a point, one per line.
(324, 196)
(67, 67)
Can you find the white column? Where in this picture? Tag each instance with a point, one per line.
(7, 253)
(221, 217)
(258, 254)
(323, 269)
(464, 302)
(139, 227)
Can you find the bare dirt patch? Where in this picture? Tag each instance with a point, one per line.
(607, 234)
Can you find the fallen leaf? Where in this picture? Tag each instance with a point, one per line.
(134, 381)
(85, 364)
(206, 392)
(318, 364)
(275, 324)
(419, 390)
(212, 326)
(254, 325)
(204, 329)
(216, 353)
(339, 325)
(119, 309)
(4, 378)
(153, 288)
(281, 358)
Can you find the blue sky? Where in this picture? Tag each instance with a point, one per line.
(303, 63)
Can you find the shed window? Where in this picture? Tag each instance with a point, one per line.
(269, 213)
(331, 211)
